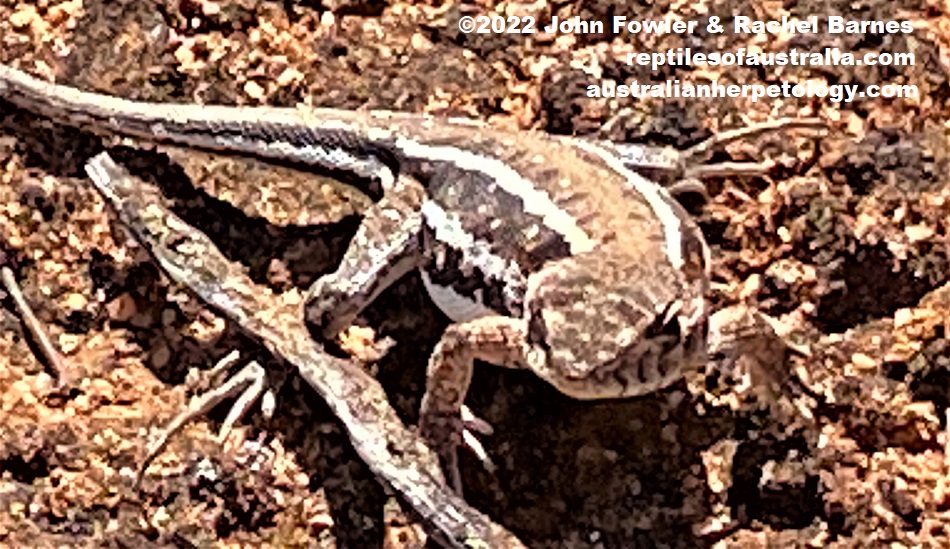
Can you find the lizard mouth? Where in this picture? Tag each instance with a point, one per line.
(652, 361)
(669, 347)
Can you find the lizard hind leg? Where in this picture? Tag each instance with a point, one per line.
(248, 384)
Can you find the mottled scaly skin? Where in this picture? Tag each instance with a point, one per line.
(547, 252)
(560, 208)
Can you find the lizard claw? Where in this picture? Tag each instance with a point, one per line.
(473, 424)
(446, 433)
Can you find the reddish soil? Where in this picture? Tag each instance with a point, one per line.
(847, 247)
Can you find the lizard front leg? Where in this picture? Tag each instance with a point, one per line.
(385, 248)
(395, 454)
(499, 340)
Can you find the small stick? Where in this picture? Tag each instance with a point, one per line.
(731, 169)
(729, 136)
(32, 324)
(248, 383)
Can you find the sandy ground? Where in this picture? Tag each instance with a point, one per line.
(847, 246)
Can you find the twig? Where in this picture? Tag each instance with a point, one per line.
(50, 356)
(396, 454)
(723, 138)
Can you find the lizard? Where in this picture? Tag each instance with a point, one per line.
(396, 455)
(548, 253)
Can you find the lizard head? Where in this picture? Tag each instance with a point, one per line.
(599, 331)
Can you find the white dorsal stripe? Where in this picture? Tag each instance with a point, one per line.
(656, 196)
(536, 201)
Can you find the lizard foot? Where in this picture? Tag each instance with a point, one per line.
(446, 433)
(472, 424)
(752, 348)
(247, 385)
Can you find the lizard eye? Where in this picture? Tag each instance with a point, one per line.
(537, 329)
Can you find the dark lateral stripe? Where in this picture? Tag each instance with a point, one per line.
(333, 152)
(313, 139)
(483, 281)
(491, 170)
(491, 214)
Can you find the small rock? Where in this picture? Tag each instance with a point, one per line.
(69, 343)
(254, 90)
(916, 233)
(22, 18)
(76, 302)
(902, 317)
(161, 356)
(161, 518)
(122, 308)
(863, 362)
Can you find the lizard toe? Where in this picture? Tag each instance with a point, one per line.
(472, 424)
(444, 433)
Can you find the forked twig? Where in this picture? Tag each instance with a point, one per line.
(686, 162)
(397, 455)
